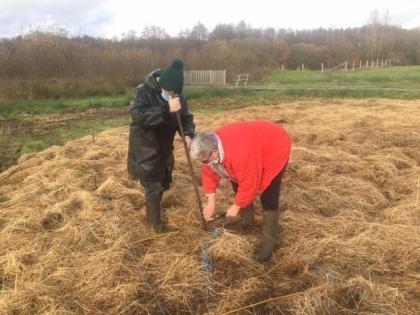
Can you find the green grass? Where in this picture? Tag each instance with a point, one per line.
(393, 82)
(307, 93)
(14, 108)
(204, 92)
(22, 107)
(393, 77)
(360, 84)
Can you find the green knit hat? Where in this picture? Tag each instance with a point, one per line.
(172, 77)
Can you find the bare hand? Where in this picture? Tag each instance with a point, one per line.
(233, 211)
(188, 141)
(174, 104)
(209, 208)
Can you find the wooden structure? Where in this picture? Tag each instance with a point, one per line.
(241, 79)
(206, 77)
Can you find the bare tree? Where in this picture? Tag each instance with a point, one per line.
(377, 23)
(154, 32)
(199, 32)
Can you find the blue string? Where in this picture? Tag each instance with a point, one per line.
(206, 264)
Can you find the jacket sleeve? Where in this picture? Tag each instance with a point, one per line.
(248, 178)
(187, 118)
(144, 113)
(210, 179)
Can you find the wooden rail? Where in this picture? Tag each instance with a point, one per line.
(205, 77)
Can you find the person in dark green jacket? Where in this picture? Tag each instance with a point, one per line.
(152, 131)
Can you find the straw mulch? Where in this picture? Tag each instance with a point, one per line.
(74, 240)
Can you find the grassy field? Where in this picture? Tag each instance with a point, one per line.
(393, 77)
(20, 107)
(33, 125)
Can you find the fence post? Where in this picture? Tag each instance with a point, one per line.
(354, 64)
(303, 67)
(282, 67)
(377, 63)
(322, 67)
(345, 66)
(360, 64)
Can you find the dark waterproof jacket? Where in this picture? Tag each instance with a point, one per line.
(152, 130)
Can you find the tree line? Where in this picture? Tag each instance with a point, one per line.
(238, 48)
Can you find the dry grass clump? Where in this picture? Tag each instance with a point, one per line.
(73, 239)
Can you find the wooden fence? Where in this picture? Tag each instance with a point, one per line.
(207, 77)
(346, 66)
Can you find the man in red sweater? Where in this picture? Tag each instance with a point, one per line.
(253, 156)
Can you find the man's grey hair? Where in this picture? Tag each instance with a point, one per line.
(203, 144)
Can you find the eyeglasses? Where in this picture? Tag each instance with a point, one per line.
(207, 161)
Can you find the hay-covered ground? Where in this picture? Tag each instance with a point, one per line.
(74, 240)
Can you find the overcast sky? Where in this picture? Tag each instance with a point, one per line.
(108, 18)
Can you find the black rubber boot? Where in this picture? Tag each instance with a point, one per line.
(270, 236)
(246, 219)
(153, 216)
